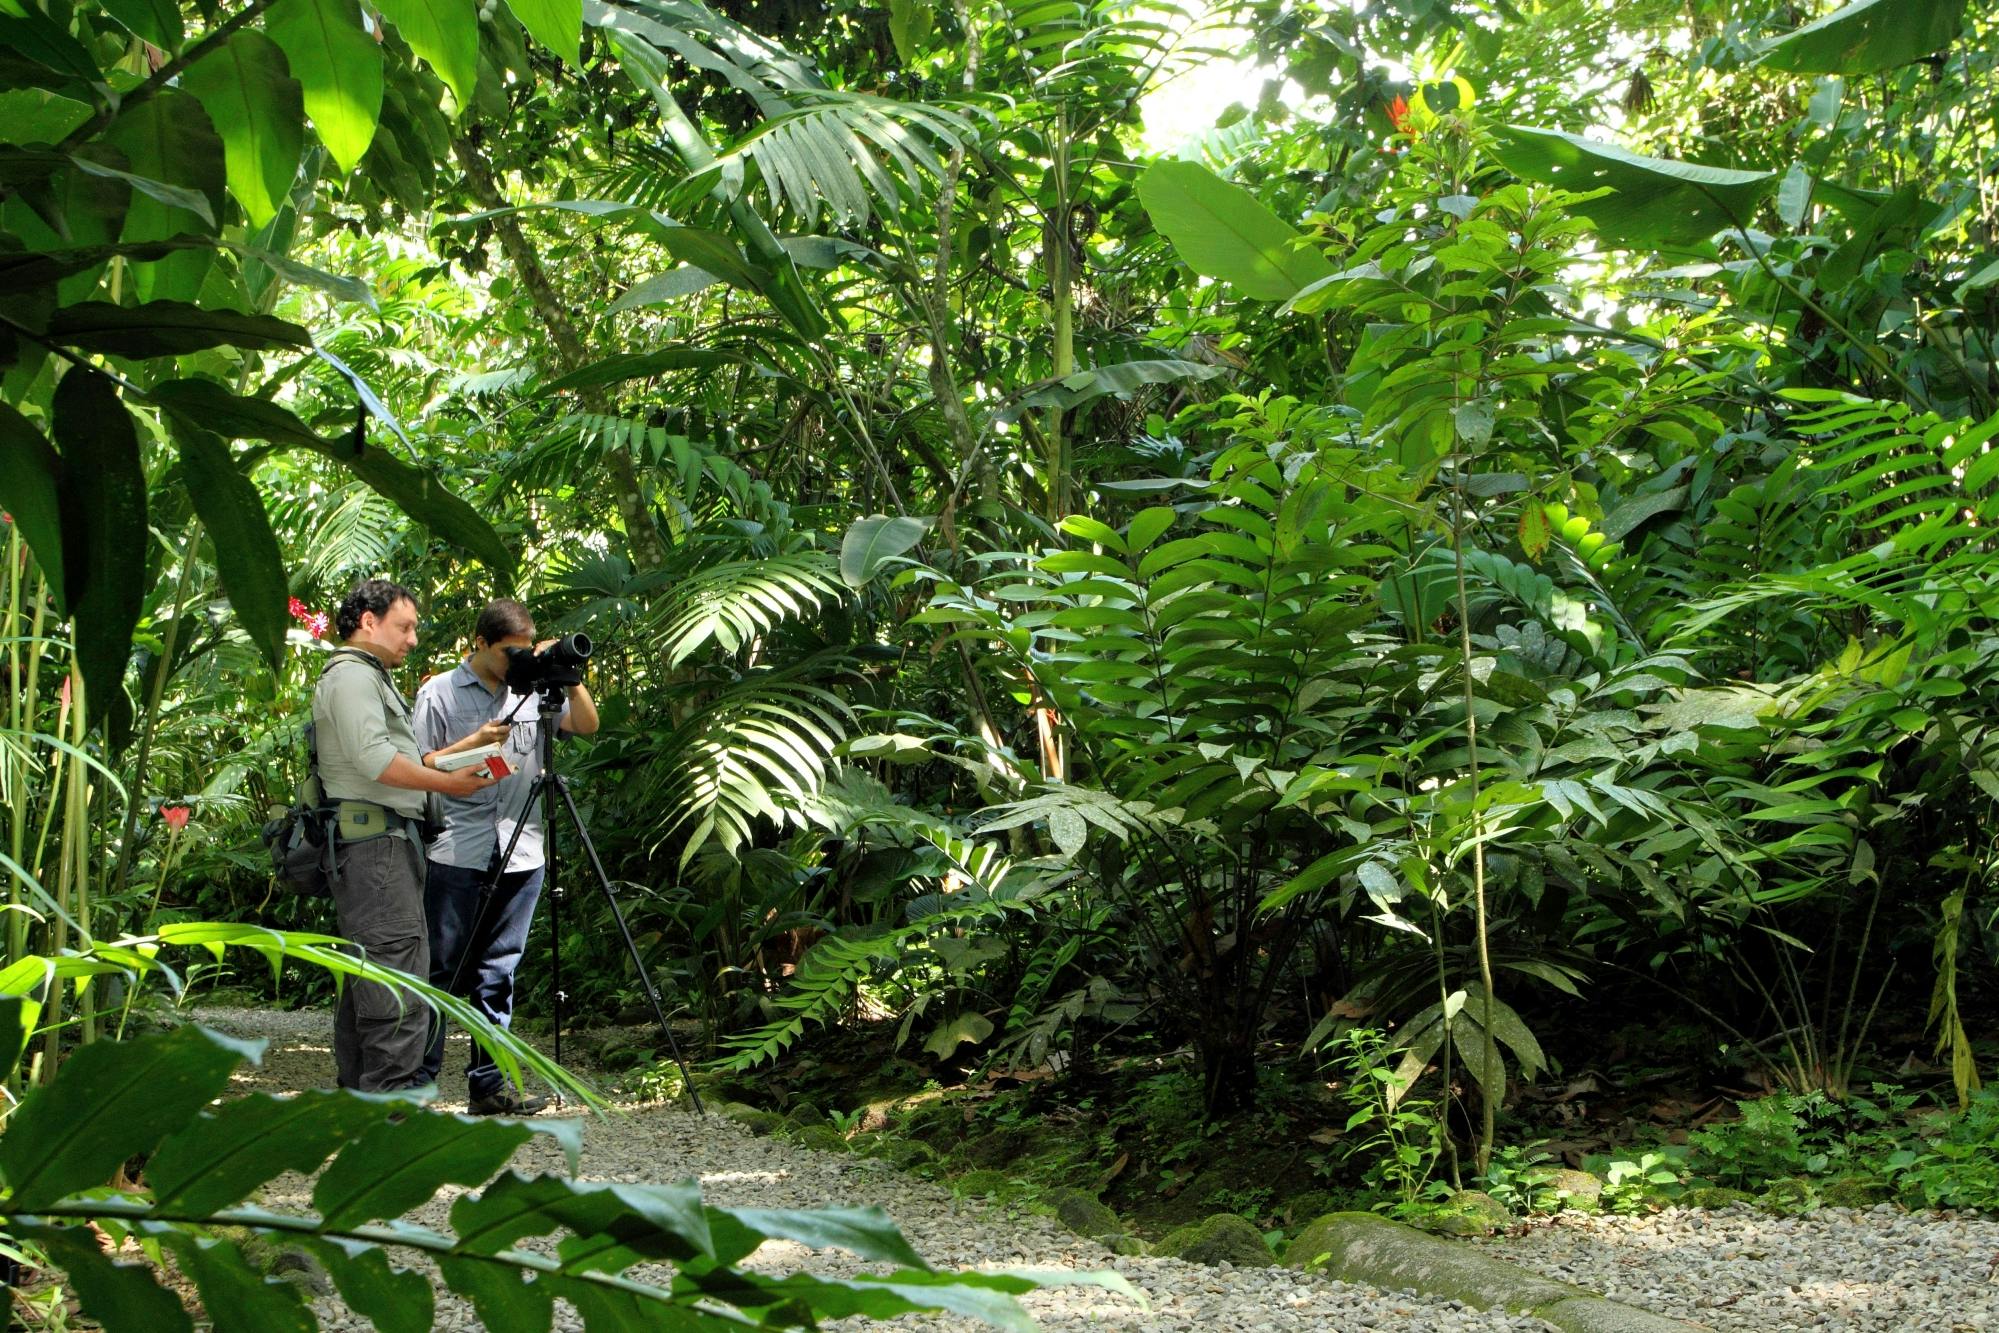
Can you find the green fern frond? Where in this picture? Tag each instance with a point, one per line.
(759, 753)
(731, 604)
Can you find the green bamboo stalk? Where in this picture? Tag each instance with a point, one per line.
(134, 794)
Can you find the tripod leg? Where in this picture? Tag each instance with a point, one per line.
(624, 930)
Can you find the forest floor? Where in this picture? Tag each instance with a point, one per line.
(1729, 1270)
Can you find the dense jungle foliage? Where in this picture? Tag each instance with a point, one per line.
(1481, 548)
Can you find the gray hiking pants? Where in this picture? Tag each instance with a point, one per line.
(380, 1032)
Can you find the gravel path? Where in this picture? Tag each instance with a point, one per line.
(1734, 1270)
(1740, 1270)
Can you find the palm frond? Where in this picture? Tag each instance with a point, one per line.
(846, 154)
(732, 603)
(331, 534)
(759, 752)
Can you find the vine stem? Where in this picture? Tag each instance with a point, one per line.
(135, 793)
(166, 73)
(1489, 1095)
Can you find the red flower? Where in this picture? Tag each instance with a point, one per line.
(316, 621)
(176, 816)
(1398, 114)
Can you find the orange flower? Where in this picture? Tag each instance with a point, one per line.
(1398, 114)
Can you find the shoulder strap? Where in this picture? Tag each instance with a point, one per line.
(339, 655)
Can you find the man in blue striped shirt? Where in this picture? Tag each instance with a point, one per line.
(462, 709)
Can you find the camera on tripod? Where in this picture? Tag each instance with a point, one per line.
(556, 667)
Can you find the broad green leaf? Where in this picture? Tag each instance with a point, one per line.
(104, 536)
(393, 1300)
(1223, 231)
(255, 105)
(1146, 527)
(424, 498)
(110, 1100)
(498, 1299)
(76, 209)
(37, 52)
(238, 1297)
(174, 196)
(1654, 200)
(1123, 377)
(246, 552)
(207, 406)
(224, 1154)
(168, 137)
(673, 285)
(30, 490)
(639, 365)
(446, 34)
(337, 285)
(119, 1296)
(948, 1036)
(868, 1233)
(167, 328)
(18, 1014)
(909, 27)
(647, 1222)
(873, 542)
(396, 1165)
(1866, 37)
(339, 71)
(556, 24)
(156, 21)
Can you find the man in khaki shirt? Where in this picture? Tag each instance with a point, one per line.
(371, 769)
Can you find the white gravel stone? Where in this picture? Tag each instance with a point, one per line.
(1740, 1270)
(1878, 1270)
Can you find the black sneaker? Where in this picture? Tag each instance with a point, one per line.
(506, 1102)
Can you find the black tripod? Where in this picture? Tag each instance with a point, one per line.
(547, 785)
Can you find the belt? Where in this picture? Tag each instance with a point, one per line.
(362, 820)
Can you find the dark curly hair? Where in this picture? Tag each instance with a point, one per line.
(503, 618)
(369, 595)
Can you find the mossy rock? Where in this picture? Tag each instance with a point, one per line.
(621, 1051)
(901, 1154)
(1222, 1238)
(1786, 1197)
(823, 1138)
(936, 1122)
(1083, 1213)
(749, 1117)
(1578, 1191)
(1854, 1192)
(1126, 1245)
(1714, 1196)
(981, 1184)
(802, 1112)
(1471, 1213)
(994, 1149)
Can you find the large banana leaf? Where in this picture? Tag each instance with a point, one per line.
(1223, 231)
(1653, 201)
(1867, 36)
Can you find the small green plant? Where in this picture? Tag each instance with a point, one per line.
(1955, 1161)
(656, 1081)
(1398, 1136)
(1631, 1184)
(1519, 1178)
(847, 1121)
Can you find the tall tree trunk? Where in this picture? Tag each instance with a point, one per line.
(648, 547)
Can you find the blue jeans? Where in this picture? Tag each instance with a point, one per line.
(451, 902)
